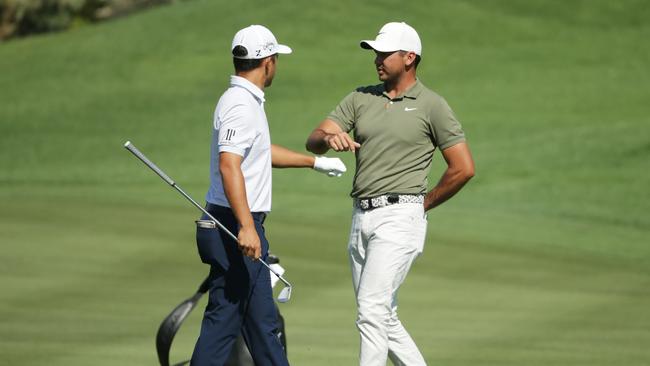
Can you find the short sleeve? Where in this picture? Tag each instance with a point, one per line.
(344, 113)
(236, 129)
(445, 128)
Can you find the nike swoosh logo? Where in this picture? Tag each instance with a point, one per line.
(407, 109)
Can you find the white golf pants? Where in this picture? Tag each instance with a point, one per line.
(383, 244)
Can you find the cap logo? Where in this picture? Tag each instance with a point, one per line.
(267, 48)
(259, 41)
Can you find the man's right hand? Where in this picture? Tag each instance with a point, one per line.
(341, 142)
(249, 242)
(329, 135)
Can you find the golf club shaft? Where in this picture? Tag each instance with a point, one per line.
(226, 230)
(134, 150)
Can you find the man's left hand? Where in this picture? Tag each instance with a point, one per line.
(333, 167)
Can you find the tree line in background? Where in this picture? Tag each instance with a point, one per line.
(25, 17)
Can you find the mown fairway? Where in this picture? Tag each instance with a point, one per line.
(543, 259)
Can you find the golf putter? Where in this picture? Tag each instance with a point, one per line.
(285, 294)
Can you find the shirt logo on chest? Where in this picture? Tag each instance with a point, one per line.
(407, 109)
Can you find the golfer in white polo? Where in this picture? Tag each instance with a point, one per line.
(241, 157)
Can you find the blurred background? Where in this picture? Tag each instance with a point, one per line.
(542, 259)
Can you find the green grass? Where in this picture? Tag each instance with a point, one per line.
(543, 259)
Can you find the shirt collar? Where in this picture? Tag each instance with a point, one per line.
(246, 84)
(414, 90)
(411, 92)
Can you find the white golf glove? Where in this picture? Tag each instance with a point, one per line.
(279, 270)
(333, 167)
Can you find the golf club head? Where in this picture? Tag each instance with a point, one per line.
(285, 294)
(172, 323)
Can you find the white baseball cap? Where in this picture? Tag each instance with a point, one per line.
(395, 36)
(259, 42)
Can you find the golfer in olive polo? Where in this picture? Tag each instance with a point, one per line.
(397, 126)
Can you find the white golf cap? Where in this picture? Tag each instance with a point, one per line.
(258, 41)
(395, 36)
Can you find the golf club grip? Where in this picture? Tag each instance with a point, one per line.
(129, 146)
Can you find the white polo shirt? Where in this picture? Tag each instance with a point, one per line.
(240, 127)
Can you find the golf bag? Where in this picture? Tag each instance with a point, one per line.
(239, 356)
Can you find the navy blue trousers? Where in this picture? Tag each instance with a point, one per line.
(240, 299)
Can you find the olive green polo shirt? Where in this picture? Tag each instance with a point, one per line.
(398, 137)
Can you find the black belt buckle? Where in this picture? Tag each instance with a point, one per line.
(392, 199)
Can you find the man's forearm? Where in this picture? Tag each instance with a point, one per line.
(460, 169)
(235, 189)
(234, 186)
(282, 157)
(451, 182)
(316, 142)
